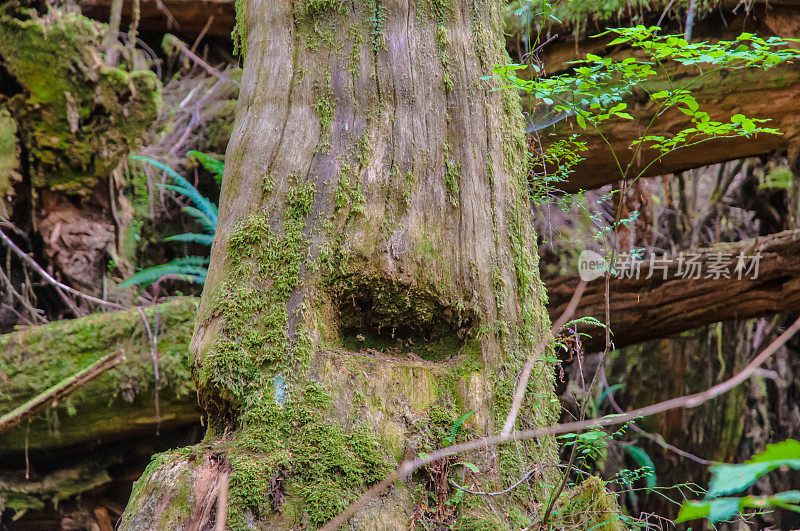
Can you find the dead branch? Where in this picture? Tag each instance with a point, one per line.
(31, 262)
(60, 390)
(522, 384)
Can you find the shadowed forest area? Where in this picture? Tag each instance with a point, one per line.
(399, 264)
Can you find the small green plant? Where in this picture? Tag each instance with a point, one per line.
(718, 505)
(598, 89)
(187, 268)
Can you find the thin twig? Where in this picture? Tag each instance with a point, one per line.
(31, 262)
(205, 66)
(519, 394)
(59, 391)
(690, 401)
(656, 439)
(222, 503)
(25, 302)
(153, 341)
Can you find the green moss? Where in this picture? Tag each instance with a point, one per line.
(314, 7)
(586, 15)
(452, 175)
(588, 506)
(239, 33)
(268, 183)
(408, 187)
(73, 108)
(9, 160)
(377, 13)
(325, 106)
(355, 52)
(348, 191)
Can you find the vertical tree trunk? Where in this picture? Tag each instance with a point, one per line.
(374, 276)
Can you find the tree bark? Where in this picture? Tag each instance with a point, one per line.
(374, 211)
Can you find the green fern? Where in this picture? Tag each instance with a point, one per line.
(216, 167)
(208, 224)
(188, 268)
(191, 237)
(183, 187)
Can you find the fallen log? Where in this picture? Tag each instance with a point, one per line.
(643, 308)
(60, 391)
(117, 404)
(186, 18)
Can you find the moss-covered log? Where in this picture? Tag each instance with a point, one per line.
(116, 405)
(374, 196)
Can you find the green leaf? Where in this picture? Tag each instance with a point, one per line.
(727, 479)
(692, 510)
(581, 120)
(737, 118)
(210, 163)
(787, 450)
(644, 460)
(748, 126)
(472, 466)
(722, 509)
(714, 510)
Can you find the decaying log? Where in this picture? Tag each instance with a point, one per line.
(118, 403)
(182, 17)
(770, 94)
(644, 309)
(60, 391)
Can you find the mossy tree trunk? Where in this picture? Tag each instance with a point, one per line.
(374, 275)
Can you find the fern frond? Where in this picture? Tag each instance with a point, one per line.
(184, 187)
(198, 261)
(205, 205)
(201, 218)
(217, 167)
(152, 274)
(191, 237)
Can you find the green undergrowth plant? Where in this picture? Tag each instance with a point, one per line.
(719, 504)
(598, 89)
(187, 268)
